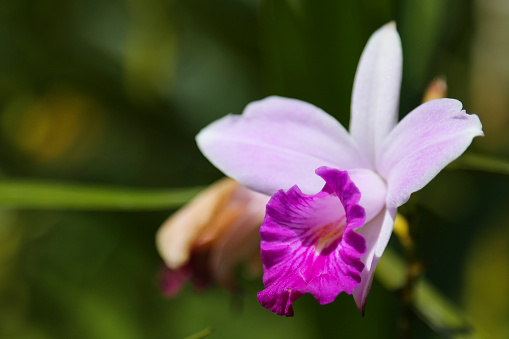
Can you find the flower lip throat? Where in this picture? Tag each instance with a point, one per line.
(329, 236)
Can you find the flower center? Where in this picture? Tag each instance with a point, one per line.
(329, 235)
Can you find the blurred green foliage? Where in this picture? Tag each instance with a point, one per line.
(113, 92)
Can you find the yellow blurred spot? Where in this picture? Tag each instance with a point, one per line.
(401, 230)
(53, 126)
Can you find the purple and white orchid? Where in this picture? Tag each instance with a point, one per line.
(328, 242)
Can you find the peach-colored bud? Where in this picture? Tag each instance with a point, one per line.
(241, 241)
(437, 89)
(221, 224)
(179, 232)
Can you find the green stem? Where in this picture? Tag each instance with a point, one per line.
(480, 163)
(21, 194)
(430, 305)
(413, 272)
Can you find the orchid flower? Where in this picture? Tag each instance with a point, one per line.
(326, 238)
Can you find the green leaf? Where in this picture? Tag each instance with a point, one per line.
(440, 314)
(52, 195)
(480, 163)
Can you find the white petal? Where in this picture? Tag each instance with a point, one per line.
(277, 143)
(423, 143)
(377, 233)
(375, 95)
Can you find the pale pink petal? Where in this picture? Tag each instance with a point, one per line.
(277, 143)
(309, 244)
(377, 233)
(422, 144)
(373, 191)
(375, 96)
